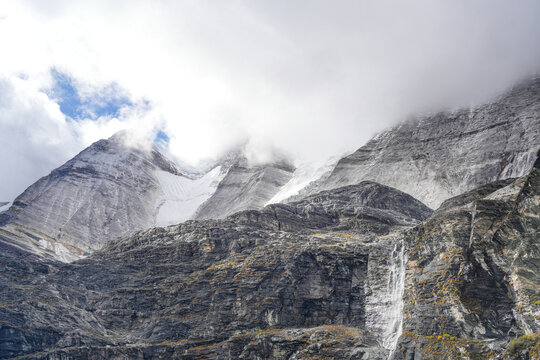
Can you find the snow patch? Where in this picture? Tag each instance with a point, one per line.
(302, 177)
(4, 206)
(182, 196)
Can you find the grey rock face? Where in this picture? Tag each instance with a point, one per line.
(245, 187)
(472, 280)
(437, 157)
(232, 288)
(308, 279)
(368, 206)
(107, 190)
(111, 189)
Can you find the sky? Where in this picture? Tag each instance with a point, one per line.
(313, 79)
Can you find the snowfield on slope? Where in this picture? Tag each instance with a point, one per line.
(182, 196)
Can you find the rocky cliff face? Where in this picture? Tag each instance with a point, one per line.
(437, 157)
(233, 288)
(472, 280)
(338, 275)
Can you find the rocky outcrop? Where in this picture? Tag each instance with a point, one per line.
(472, 279)
(368, 206)
(245, 187)
(437, 157)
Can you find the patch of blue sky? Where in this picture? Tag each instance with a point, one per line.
(107, 101)
(161, 139)
(161, 136)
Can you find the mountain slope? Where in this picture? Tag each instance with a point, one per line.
(245, 187)
(111, 189)
(108, 190)
(436, 157)
(185, 289)
(460, 284)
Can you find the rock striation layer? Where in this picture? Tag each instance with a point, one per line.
(437, 157)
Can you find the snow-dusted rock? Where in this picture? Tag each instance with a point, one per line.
(112, 189)
(246, 187)
(109, 189)
(437, 157)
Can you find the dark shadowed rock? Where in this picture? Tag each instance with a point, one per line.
(367, 206)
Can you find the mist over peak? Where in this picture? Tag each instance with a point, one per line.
(312, 79)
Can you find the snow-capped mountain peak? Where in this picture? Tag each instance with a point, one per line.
(116, 186)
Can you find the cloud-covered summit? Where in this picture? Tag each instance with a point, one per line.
(314, 78)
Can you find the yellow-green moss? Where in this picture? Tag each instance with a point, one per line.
(446, 346)
(528, 345)
(229, 264)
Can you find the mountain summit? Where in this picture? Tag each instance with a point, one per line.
(440, 156)
(107, 190)
(113, 188)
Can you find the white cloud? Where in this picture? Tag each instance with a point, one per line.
(36, 137)
(30, 148)
(315, 78)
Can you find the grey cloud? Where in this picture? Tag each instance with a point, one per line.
(315, 78)
(340, 71)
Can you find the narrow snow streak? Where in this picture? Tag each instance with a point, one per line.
(395, 287)
(5, 207)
